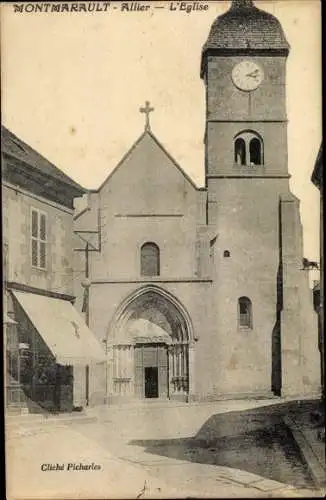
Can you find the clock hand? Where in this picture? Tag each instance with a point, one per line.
(253, 74)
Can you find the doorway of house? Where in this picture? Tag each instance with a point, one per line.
(151, 382)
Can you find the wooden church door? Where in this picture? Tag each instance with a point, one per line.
(151, 371)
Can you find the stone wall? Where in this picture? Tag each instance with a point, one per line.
(58, 275)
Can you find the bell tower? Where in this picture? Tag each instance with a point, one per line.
(262, 307)
(244, 69)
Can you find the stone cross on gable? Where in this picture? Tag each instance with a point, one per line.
(146, 109)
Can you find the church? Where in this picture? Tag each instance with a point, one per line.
(198, 293)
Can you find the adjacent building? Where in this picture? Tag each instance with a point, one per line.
(317, 179)
(198, 292)
(47, 343)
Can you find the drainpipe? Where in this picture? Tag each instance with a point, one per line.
(86, 284)
(321, 306)
(106, 398)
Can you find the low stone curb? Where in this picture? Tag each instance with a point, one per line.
(317, 472)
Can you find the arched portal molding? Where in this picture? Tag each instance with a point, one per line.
(124, 310)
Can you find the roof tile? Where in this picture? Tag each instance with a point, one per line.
(244, 26)
(16, 148)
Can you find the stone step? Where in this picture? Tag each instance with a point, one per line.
(16, 421)
(17, 409)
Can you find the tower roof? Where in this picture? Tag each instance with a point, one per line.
(243, 28)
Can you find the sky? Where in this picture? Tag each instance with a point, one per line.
(72, 85)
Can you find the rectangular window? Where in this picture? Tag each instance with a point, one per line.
(39, 239)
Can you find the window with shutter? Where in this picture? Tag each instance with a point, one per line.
(38, 239)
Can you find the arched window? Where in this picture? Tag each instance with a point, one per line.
(248, 149)
(226, 253)
(255, 151)
(245, 312)
(150, 260)
(240, 151)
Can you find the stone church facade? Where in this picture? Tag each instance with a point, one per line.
(198, 293)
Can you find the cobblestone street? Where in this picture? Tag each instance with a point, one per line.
(143, 451)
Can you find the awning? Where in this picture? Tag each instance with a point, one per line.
(62, 328)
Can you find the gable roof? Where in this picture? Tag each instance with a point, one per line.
(18, 149)
(130, 151)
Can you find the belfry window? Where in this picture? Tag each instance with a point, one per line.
(240, 151)
(248, 149)
(255, 151)
(150, 260)
(244, 312)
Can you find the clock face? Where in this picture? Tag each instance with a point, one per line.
(247, 75)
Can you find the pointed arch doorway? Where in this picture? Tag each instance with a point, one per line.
(151, 335)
